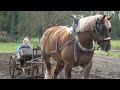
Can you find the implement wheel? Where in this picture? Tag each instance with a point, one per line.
(12, 66)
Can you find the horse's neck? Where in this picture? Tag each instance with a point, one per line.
(85, 40)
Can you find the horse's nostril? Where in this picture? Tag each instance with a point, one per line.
(107, 49)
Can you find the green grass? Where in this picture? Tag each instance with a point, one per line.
(8, 47)
(115, 44)
(12, 48)
(108, 54)
(34, 40)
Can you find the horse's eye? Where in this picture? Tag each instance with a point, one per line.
(103, 30)
(109, 29)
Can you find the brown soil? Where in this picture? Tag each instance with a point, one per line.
(103, 68)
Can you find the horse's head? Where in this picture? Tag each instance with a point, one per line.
(102, 31)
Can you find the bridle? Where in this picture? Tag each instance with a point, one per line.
(98, 26)
(77, 41)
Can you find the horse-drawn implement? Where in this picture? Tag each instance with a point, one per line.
(33, 66)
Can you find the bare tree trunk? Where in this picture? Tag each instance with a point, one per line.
(12, 24)
(43, 24)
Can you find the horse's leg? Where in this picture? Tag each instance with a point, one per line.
(48, 74)
(58, 68)
(68, 69)
(87, 69)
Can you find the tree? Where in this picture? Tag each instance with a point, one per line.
(34, 23)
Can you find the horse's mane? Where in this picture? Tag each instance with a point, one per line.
(87, 23)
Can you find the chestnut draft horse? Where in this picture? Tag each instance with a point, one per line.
(70, 51)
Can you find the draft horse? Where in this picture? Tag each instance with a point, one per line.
(70, 51)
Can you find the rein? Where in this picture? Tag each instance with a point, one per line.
(63, 46)
(93, 48)
(75, 39)
(56, 42)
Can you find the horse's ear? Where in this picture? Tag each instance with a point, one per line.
(103, 17)
(73, 16)
(108, 18)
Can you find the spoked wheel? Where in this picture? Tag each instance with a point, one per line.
(12, 66)
(39, 71)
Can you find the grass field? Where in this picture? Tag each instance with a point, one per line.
(108, 54)
(115, 44)
(12, 48)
